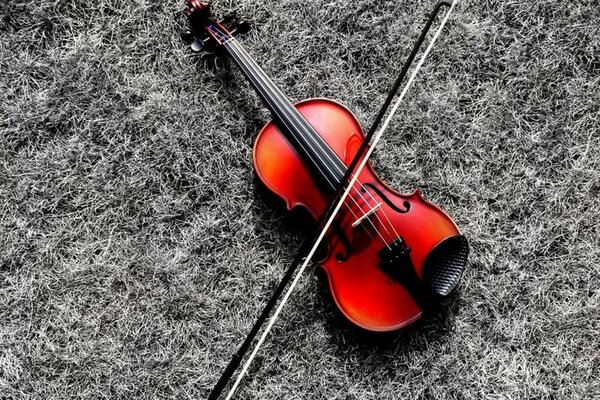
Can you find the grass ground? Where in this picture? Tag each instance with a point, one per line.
(136, 247)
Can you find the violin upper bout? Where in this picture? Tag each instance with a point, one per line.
(283, 170)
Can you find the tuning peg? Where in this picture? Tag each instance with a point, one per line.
(198, 45)
(235, 26)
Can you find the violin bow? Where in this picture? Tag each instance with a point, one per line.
(310, 247)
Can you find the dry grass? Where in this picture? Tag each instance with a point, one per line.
(137, 247)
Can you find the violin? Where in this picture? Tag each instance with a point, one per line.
(387, 254)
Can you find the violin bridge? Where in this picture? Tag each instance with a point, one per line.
(366, 215)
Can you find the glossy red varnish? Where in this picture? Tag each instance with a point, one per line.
(364, 293)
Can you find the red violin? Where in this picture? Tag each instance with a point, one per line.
(388, 254)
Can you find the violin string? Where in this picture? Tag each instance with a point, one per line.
(350, 208)
(224, 39)
(337, 207)
(227, 43)
(239, 60)
(278, 93)
(319, 141)
(384, 213)
(333, 186)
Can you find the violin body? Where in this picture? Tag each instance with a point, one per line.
(388, 254)
(367, 294)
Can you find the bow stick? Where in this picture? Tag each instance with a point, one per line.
(368, 145)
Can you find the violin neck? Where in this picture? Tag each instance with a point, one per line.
(305, 139)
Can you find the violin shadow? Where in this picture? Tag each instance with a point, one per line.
(215, 67)
(273, 213)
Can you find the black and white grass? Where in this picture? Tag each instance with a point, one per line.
(137, 247)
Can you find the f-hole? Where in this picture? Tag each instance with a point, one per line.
(387, 201)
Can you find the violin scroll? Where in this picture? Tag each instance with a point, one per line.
(201, 36)
(198, 10)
